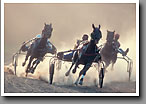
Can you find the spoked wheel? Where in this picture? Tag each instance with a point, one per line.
(101, 77)
(129, 66)
(15, 62)
(130, 69)
(15, 66)
(51, 72)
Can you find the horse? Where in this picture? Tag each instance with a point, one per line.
(39, 48)
(108, 54)
(86, 55)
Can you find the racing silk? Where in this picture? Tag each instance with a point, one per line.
(38, 36)
(83, 44)
(117, 49)
(115, 45)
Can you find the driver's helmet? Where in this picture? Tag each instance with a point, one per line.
(85, 37)
(117, 36)
(38, 36)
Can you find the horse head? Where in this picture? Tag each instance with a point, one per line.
(110, 36)
(96, 34)
(47, 31)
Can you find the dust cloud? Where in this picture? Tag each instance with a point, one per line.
(70, 22)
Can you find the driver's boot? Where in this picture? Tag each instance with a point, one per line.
(81, 81)
(125, 53)
(74, 70)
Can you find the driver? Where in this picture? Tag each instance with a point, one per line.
(82, 42)
(78, 44)
(116, 46)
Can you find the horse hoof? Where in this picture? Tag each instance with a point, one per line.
(67, 73)
(76, 83)
(23, 64)
(26, 74)
(74, 71)
(81, 82)
(32, 70)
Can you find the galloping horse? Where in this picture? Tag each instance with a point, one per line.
(108, 54)
(86, 55)
(39, 48)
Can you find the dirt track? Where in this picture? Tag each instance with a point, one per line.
(14, 84)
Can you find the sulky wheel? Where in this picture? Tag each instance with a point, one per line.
(15, 62)
(15, 66)
(101, 76)
(130, 70)
(51, 72)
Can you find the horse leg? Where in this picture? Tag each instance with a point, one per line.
(76, 82)
(34, 62)
(26, 58)
(107, 63)
(83, 72)
(28, 66)
(74, 70)
(112, 68)
(73, 62)
(76, 65)
(33, 68)
(67, 73)
(114, 59)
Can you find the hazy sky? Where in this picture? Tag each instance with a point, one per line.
(70, 21)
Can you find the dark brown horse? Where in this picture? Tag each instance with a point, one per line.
(38, 49)
(108, 54)
(86, 55)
